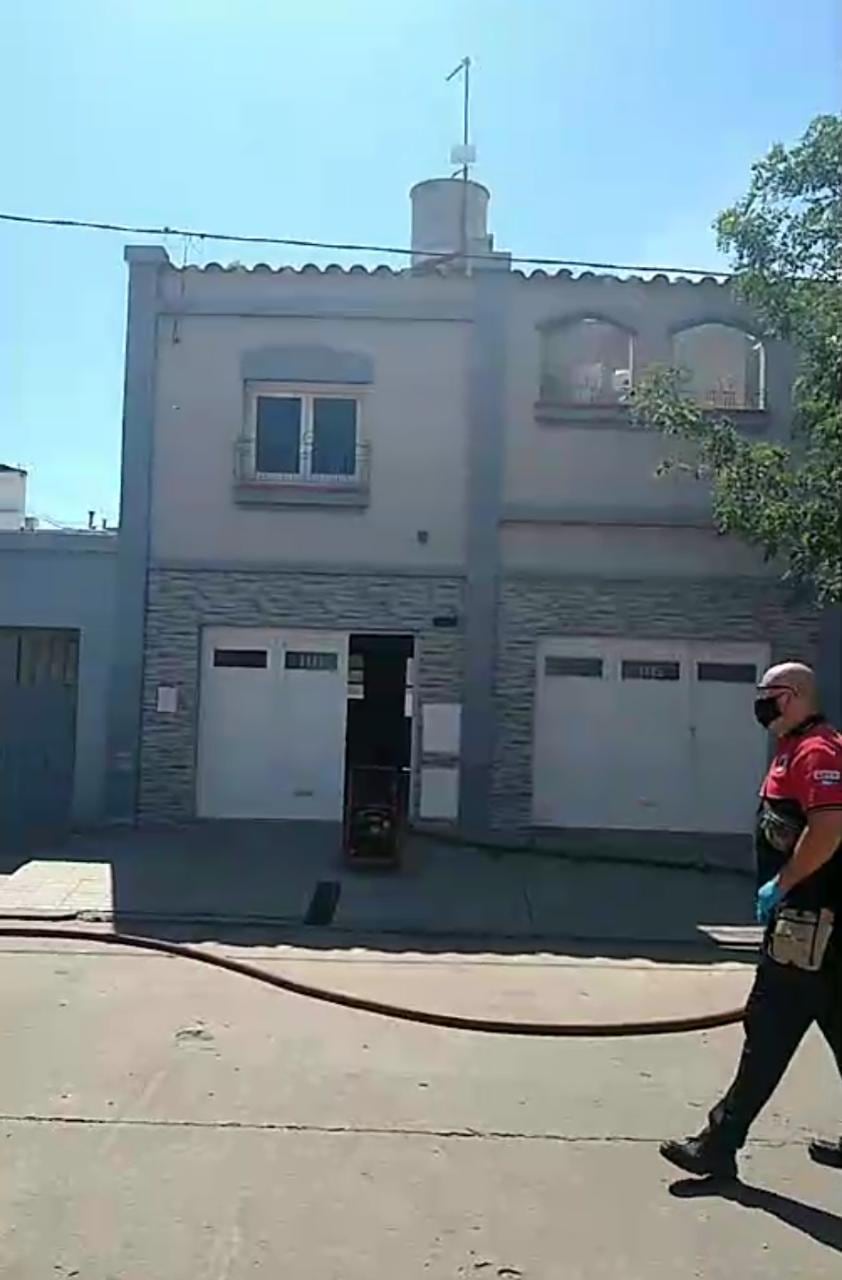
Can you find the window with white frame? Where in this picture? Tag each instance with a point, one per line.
(305, 435)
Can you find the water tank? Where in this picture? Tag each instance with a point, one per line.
(440, 208)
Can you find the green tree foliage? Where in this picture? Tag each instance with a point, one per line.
(785, 240)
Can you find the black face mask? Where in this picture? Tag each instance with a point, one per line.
(766, 710)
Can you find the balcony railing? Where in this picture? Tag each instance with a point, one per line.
(347, 480)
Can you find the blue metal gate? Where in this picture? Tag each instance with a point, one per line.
(38, 685)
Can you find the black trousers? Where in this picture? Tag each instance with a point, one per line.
(783, 1005)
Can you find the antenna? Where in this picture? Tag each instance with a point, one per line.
(464, 155)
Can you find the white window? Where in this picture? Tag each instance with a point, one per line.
(304, 436)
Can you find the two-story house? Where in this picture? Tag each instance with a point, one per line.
(401, 518)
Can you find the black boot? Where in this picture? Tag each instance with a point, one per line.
(702, 1157)
(826, 1151)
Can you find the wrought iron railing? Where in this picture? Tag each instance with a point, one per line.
(316, 468)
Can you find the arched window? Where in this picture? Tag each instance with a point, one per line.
(586, 362)
(724, 366)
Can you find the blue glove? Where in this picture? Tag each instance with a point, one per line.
(768, 897)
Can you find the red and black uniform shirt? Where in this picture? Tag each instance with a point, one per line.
(805, 775)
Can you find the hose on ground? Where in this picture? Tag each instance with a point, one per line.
(345, 1000)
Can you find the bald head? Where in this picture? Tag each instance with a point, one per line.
(794, 686)
(796, 676)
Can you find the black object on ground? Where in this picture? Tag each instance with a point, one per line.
(323, 903)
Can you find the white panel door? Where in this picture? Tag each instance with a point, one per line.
(311, 748)
(569, 765)
(649, 782)
(272, 724)
(239, 706)
(646, 735)
(728, 750)
(606, 722)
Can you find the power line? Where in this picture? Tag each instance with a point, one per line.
(289, 242)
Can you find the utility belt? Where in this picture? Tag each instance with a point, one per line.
(800, 938)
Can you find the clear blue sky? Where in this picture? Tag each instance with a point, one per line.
(609, 129)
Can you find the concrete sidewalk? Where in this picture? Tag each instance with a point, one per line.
(265, 875)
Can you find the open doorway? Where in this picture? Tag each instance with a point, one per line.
(378, 748)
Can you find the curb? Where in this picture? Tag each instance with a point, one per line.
(559, 854)
(295, 925)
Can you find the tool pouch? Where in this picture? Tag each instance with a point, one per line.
(800, 938)
(780, 830)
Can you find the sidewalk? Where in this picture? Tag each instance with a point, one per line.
(265, 875)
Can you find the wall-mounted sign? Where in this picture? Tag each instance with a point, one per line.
(441, 728)
(167, 702)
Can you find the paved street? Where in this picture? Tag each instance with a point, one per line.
(164, 1120)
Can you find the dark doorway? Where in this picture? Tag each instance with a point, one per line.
(379, 736)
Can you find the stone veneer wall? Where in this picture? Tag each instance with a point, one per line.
(704, 609)
(182, 601)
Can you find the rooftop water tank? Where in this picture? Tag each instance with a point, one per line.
(441, 207)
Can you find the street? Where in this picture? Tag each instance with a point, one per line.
(160, 1119)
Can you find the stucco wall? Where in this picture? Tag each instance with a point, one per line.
(68, 581)
(609, 550)
(413, 419)
(590, 457)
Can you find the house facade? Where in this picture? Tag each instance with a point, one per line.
(400, 520)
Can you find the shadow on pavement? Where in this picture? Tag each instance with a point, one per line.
(823, 1227)
(258, 884)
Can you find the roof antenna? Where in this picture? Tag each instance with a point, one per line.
(464, 155)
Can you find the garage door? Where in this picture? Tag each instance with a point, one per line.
(272, 713)
(645, 735)
(38, 686)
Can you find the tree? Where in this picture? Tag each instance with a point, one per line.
(785, 238)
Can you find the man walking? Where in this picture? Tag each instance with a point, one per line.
(798, 841)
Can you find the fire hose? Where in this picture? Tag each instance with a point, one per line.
(362, 1004)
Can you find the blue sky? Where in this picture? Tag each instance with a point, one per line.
(608, 129)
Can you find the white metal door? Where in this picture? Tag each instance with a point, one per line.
(728, 750)
(238, 718)
(272, 724)
(605, 716)
(646, 735)
(311, 748)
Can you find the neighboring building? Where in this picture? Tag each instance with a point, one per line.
(12, 497)
(401, 517)
(56, 599)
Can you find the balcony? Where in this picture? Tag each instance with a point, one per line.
(346, 484)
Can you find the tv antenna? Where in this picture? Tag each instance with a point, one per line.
(464, 155)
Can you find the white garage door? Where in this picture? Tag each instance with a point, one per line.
(647, 735)
(272, 713)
